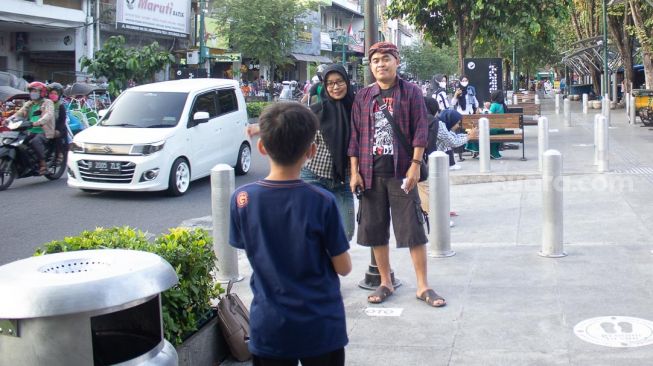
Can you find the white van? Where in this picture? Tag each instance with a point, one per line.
(162, 136)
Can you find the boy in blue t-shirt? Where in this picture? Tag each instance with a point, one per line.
(295, 242)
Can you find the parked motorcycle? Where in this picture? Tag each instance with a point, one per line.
(18, 160)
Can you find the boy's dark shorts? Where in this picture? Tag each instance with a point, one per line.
(386, 199)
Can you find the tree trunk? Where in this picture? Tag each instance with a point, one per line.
(461, 43)
(644, 40)
(596, 81)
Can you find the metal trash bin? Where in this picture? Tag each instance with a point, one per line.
(93, 307)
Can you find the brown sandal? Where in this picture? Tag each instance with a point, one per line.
(431, 297)
(382, 292)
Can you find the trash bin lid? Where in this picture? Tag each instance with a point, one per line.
(81, 281)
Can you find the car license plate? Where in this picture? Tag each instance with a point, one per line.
(106, 166)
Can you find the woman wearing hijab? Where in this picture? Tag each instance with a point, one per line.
(440, 94)
(329, 168)
(498, 106)
(464, 99)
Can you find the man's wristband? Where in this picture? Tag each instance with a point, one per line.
(415, 161)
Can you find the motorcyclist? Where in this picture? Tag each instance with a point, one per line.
(39, 110)
(55, 94)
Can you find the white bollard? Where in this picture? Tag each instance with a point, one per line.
(567, 112)
(602, 148)
(542, 139)
(537, 99)
(484, 145)
(597, 118)
(515, 100)
(585, 102)
(627, 103)
(557, 103)
(223, 184)
(552, 189)
(440, 234)
(633, 110)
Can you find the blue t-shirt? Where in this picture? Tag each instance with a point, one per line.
(290, 230)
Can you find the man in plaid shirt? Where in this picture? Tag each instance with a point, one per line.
(386, 173)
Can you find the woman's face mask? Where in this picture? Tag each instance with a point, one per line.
(34, 95)
(442, 84)
(464, 83)
(54, 97)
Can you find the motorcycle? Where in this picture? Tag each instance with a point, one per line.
(18, 160)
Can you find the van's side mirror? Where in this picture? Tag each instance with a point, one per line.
(102, 112)
(200, 117)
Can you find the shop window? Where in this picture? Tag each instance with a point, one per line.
(70, 4)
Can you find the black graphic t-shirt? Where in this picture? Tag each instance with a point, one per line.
(383, 148)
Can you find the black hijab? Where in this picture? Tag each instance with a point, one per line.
(497, 97)
(462, 98)
(334, 116)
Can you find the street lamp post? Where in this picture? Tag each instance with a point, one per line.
(606, 77)
(340, 37)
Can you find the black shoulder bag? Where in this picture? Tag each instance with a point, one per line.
(424, 169)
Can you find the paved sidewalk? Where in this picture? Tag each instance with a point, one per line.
(506, 304)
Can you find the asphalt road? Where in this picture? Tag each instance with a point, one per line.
(34, 211)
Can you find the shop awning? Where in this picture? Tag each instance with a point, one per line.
(311, 58)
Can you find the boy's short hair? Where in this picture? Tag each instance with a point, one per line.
(287, 131)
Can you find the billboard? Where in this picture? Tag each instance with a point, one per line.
(166, 17)
(308, 38)
(486, 75)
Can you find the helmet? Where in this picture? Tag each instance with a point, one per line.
(37, 85)
(320, 70)
(56, 87)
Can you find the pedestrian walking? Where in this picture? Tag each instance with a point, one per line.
(386, 173)
(295, 243)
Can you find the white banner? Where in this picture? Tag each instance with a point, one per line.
(325, 42)
(167, 17)
(51, 41)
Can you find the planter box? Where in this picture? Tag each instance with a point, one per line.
(204, 348)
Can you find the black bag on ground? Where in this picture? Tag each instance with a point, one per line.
(423, 168)
(233, 318)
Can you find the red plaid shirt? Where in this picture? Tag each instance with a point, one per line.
(409, 113)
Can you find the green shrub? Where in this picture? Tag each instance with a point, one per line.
(254, 109)
(190, 252)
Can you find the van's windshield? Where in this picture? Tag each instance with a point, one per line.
(146, 110)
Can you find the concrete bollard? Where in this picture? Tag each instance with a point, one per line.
(602, 148)
(585, 102)
(440, 234)
(484, 145)
(557, 103)
(537, 98)
(515, 100)
(552, 223)
(223, 184)
(627, 103)
(632, 110)
(567, 112)
(597, 118)
(542, 139)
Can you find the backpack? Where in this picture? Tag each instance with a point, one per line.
(431, 142)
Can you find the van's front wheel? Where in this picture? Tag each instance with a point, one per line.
(179, 180)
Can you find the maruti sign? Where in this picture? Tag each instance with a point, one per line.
(167, 17)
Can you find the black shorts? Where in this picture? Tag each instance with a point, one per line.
(384, 200)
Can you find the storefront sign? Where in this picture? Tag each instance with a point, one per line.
(326, 44)
(167, 17)
(51, 41)
(308, 38)
(227, 57)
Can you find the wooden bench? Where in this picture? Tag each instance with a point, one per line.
(511, 121)
(527, 109)
(525, 98)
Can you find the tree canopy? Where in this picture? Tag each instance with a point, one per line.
(262, 29)
(424, 60)
(120, 64)
(462, 21)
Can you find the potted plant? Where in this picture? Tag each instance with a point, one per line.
(189, 319)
